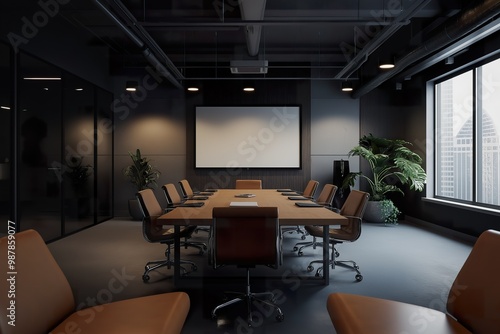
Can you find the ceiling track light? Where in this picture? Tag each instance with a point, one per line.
(386, 63)
(131, 86)
(347, 86)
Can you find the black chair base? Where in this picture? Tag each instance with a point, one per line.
(297, 229)
(345, 264)
(250, 297)
(167, 262)
(201, 246)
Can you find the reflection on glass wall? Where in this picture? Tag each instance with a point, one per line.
(40, 147)
(5, 135)
(104, 171)
(78, 151)
(65, 158)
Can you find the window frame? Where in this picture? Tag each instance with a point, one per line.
(432, 132)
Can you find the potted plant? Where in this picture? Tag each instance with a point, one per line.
(392, 164)
(142, 174)
(78, 203)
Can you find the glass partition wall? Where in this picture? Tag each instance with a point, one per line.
(39, 156)
(6, 111)
(63, 150)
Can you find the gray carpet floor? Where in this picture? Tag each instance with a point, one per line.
(407, 262)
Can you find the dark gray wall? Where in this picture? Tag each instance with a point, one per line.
(161, 125)
(402, 114)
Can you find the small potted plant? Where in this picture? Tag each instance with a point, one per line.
(142, 174)
(78, 204)
(392, 164)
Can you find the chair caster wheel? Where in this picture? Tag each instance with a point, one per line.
(295, 249)
(145, 278)
(303, 237)
(310, 268)
(359, 277)
(214, 316)
(300, 253)
(280, 317)
(194, 267)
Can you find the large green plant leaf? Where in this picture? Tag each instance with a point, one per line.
(392, 164)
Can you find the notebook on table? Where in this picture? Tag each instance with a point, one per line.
(191, 205)
(298, 198)
(290, 194)
(199, 198)
(308, 205)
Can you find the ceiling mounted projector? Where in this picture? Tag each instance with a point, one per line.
(248, 66)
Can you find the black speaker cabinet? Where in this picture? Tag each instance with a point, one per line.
(340, 171)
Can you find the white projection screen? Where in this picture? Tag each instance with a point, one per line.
(247, 137)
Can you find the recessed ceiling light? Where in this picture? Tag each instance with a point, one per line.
(248, 89)
(131, 86)
(193, 89)
(386, 66)
(347, 86)
(43, 78)
(5, 107)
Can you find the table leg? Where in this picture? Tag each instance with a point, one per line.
(326, 257)
(177, 254)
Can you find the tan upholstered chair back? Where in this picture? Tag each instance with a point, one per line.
(310, 188)
(149, 203)
(186, 188)
(248, 184)
(474, 298)
(43, 297)
(354, 208)
(245, 236)
(326, 195)
(154, 232)
(172, 194)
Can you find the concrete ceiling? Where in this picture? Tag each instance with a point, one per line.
(311, 40)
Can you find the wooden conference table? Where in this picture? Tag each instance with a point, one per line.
(289, 215)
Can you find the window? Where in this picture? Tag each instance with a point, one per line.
(467, 151)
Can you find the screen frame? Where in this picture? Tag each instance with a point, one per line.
(300, 139)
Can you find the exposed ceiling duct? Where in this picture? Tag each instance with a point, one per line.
(248, 66)
(460, 26)
(252, 10)
(145, 43)
(355, 63)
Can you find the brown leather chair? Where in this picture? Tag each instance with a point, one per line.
(236, 231)
(174, 200)
(308, 192)
(156, 233)
(325, 198)
(353, 209)
(44, 301)
(248, 184)
(188, 193)
(472, 307)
